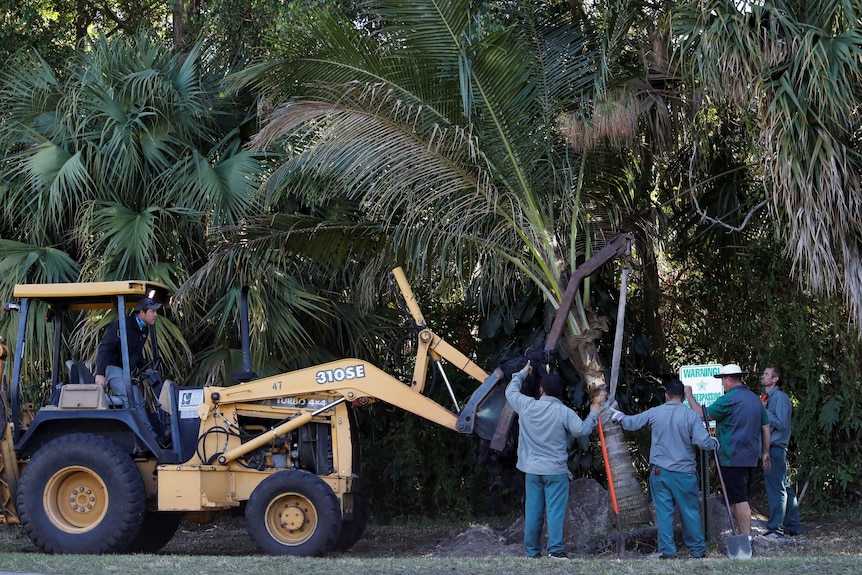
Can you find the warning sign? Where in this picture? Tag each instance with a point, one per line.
(705, 388)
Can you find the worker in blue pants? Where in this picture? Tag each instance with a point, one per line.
(680, 489)
(546, 428)
(676, 431)
(783, 507)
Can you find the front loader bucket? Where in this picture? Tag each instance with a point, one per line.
(487, 414)
(491, 410)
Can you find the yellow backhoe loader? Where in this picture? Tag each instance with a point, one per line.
(83, 474)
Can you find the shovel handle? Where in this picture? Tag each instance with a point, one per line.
(720, 478)
(611, 489)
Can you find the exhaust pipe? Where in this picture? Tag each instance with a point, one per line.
(247, 374)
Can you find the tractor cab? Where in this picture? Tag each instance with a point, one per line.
(67, 396)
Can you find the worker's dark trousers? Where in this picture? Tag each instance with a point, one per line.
(783, 509)
(117, 383)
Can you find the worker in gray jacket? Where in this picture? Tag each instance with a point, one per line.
(546, 429)
(783, 507)
(676, 431)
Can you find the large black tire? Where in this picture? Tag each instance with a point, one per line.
(293, 512)
(158, 529)
(81, 493)
(352, 529)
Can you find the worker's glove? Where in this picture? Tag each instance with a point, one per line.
(617, 415)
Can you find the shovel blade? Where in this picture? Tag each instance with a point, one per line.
(738, 547)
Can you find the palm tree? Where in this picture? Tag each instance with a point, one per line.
(790, 69)
(116, 166)
(443, 126)
(299, 267)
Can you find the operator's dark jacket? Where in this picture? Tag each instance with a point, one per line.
(110, 351)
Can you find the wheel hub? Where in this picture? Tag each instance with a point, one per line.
(292, 518)
(82, 499)
(75, 499)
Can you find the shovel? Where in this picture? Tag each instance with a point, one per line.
(738, 546)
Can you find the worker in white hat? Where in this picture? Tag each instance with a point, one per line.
(742, 428)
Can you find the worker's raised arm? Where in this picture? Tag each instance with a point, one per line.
(692, 402)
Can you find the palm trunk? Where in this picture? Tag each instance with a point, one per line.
(632, 502)
(179, 24)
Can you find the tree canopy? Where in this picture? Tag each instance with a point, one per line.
(489, 146)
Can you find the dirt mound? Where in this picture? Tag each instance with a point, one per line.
(478, 541)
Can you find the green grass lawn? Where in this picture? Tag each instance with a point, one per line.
(267, 565)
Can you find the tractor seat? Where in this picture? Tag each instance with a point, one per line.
(79, 374)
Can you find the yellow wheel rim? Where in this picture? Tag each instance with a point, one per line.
(75, 499)
(291, 519)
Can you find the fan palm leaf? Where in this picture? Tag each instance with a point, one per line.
(21, 262)
(224, 183)
(793, 69)
(33, 264)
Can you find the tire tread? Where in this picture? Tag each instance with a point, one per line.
(126, 506)
(327, 505)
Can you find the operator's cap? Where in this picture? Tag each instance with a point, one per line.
(147, 303)
(730, 369)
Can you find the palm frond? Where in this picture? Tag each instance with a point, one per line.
(774, 65)
(248, 252)
(296, 268)
(388, 134)
(27, 263)
(28, 99)
(127, 237)
(229, 187)
(60, 180)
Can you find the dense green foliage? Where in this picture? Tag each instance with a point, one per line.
(116, 164)
(750, 313)
(768, 62)
(489, 150)
(30, 24)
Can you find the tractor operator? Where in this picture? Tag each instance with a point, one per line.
(109, 360)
